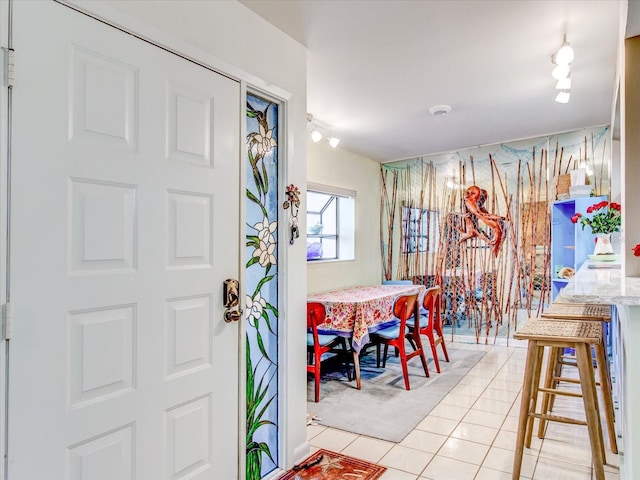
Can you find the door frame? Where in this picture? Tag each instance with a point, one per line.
(5, 122)
(291, 447)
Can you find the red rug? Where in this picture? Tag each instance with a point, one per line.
(333, 466)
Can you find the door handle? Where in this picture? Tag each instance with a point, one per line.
(231, 300)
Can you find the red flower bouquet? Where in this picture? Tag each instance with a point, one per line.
(607, 220)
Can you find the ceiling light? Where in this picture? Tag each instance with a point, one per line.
(563, 96)
(561, 71)
(319, 130)
(565, 55)
(564, 84)
(316, 136)
(440, 110)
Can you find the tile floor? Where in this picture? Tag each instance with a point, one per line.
(471, 434)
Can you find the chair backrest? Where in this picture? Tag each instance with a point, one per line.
(431, 303)
(404, 307)
(316, 314)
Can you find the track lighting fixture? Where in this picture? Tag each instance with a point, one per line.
(318, 132)
(562, 72)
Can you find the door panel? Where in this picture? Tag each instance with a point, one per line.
(125, 222)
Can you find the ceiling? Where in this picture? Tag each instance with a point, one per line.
(375, 68)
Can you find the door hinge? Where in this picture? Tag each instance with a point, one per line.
(10, 62)
(8, 321)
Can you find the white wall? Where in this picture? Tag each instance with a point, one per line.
(340, 168)
(228, 37)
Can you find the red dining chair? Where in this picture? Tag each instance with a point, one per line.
(318, 344)
(431, 323)
(395, 336)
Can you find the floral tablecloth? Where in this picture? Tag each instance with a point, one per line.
(358, 311)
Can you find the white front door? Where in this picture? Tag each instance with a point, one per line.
(124, 225)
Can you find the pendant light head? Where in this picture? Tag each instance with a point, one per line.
(564, 84)
(316, 136)
(561, 71)
(565, 55)
(563, 96)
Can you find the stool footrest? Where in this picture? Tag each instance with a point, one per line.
(566, 380)
(557, 418)
(570, 380)
(554, 391)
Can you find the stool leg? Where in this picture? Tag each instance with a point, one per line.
(557, 373)
(590, 400)
(548, 381)
(527, 386)
(535, 386)
(605, 388)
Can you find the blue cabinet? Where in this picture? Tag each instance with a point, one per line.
(570, 245)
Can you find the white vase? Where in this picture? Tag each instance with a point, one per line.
(603, 244)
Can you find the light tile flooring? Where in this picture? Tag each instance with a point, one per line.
(471, 434)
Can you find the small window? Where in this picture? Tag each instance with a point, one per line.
(330, 223)
(420, 230)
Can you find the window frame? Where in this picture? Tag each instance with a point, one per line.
(336, 194)
(426, 234)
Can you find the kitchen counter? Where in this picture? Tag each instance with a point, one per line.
(605, 284)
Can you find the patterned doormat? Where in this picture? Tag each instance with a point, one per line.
(328, 465)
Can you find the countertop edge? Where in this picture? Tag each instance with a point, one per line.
(601, 285)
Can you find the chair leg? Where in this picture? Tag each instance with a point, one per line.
(423, 358)
(443, 346)
(405, 370)
(434, 352)
(438, 329)
(316, 375)
(345, 356)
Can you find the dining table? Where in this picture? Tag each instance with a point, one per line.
(357, 311)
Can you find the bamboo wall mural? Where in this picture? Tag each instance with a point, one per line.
(477, 223)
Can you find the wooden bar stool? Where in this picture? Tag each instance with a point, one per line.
(582, 312)
(578, 335)
(578, 311)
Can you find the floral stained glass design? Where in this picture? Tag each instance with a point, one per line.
(261, 315)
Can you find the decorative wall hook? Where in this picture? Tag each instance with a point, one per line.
(293, 201)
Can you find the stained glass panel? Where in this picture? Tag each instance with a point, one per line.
(261, 316)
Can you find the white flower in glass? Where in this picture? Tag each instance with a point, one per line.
(265, 230)
(265, 141)
(255, 307)
(265, 253)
